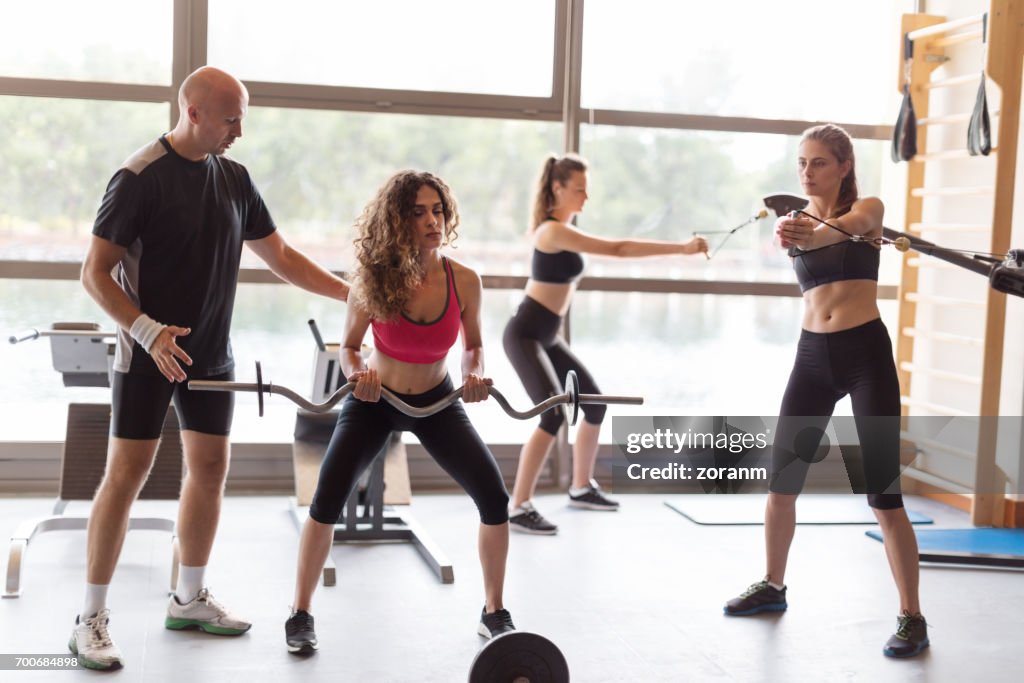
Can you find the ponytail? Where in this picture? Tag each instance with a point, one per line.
(848, 194)
(556, 169)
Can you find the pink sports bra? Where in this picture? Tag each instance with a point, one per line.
(406, 340)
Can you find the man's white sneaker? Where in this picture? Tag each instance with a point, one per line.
(204, 613)
(91, 642)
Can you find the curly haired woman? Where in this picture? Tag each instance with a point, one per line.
(416, 301)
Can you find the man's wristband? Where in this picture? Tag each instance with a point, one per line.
(145, 330)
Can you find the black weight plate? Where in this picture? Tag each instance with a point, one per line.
(519, 657)
(259, 386)
(572, 390)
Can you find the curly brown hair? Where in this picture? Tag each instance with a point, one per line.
(388, 270)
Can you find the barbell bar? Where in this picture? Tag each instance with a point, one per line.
(571, 398)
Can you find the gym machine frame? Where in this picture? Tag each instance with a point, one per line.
(83, 355)
(378, 509)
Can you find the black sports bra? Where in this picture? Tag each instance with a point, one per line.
(845, 260)
(560, 267)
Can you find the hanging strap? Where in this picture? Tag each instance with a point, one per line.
(979, 130)
(904, 134)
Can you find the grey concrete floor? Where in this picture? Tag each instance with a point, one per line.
(628, 596)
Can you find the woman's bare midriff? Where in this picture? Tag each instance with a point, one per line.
(838, 306)
(553, 296)
(407, 378)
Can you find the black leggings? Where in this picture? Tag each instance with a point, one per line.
(858, 362)
(363, 429)
(542, 359)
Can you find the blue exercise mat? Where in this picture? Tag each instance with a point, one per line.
(748, 509)
(983, 547)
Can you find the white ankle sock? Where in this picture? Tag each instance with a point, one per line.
(95, 599)
(573, 491)
(776, 586)
(190, 582)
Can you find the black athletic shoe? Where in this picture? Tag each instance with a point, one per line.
(592, 498)
(760, 597)
(527, 520)
(911, 637)
(299, 633)
(494, 624)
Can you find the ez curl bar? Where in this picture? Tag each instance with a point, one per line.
(570, 400)
(514, 656)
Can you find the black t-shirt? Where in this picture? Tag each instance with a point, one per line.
(183, 223)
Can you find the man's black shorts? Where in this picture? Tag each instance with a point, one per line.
(140, 402)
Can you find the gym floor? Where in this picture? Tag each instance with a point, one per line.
(628, 596)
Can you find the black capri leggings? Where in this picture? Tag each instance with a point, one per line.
(542, 359)
(858, 362)
(362, 430)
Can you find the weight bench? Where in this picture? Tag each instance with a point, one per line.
(377, 510)
(83, 356)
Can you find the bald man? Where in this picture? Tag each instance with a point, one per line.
(163, 262)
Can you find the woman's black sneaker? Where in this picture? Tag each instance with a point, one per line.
(299, 633)
(911, 637)
(494, 624)
(526, 519)
(592, 497)
(760, 597)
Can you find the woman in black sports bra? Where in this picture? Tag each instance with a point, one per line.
(844, 348)
(535, 346)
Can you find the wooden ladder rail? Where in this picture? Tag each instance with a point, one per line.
(1003, 66)
(1005, 56)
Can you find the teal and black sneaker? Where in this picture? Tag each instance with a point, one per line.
(911, 637)
(760, 597)
(206, 614)
(92, 643)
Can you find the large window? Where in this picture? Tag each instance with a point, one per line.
(119, 41)
(58, 155)
(667, 184)
(786, 59)
(318, 169)
(451, 45)
(707, 102)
